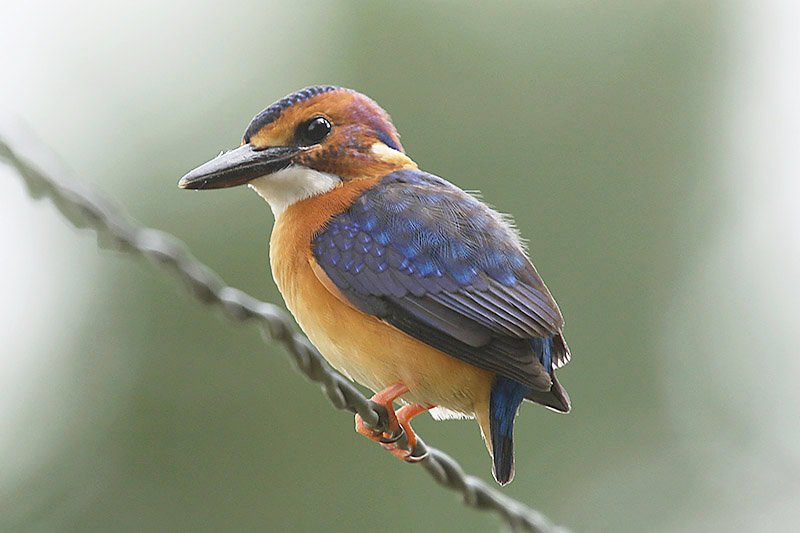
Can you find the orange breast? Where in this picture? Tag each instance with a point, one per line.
(363, 347)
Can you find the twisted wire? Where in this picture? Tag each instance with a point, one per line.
(85, 208)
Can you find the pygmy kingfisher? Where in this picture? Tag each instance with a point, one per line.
(404, 282)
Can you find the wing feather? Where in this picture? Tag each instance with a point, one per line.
(436, 263)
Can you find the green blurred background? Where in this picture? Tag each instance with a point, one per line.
(646, 149)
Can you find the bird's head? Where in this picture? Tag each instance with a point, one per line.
(307, 143)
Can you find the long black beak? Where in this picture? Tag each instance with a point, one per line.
(239, 166)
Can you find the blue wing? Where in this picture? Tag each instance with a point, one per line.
(433, 261)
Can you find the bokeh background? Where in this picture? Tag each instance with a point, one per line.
(648, 151)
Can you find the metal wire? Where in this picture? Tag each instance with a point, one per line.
(85, 208)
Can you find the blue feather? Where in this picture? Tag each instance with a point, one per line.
(541, 347)
(414, 244)
(387, 140)
(271, 113)
(507, 396)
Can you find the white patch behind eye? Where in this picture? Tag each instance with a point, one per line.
(292, 184)
(389, 154)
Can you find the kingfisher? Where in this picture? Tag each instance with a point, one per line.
(405, 283)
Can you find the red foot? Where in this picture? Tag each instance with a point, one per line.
(384, 398)
(404, 416)
(399, 423)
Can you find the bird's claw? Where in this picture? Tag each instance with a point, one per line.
(391, 438)
(398, 424)
(416, 455)
(386, 438)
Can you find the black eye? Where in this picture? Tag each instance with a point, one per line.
(314, 130)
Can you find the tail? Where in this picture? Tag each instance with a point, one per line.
(507, 396)
(553, 353)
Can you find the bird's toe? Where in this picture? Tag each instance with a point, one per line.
(391, 438)
(371, 434)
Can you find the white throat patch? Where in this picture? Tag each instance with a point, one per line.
(292, 184)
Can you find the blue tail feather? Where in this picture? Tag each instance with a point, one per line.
(507, 395)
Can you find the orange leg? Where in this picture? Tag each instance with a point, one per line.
(384, 398)
(404, 416)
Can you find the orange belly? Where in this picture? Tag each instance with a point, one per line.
(360, 346)
(376, 354)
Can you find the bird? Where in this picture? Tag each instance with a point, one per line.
(404, 282)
